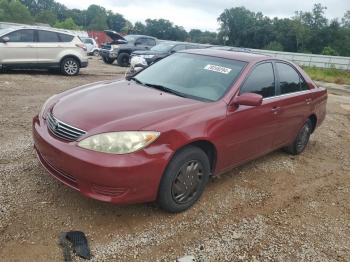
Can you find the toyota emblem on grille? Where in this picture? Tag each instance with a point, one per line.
(56, 125)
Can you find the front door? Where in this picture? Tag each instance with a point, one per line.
(250, 130)
(20, 49)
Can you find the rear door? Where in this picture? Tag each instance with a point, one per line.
(251, 130)
(294, 102)
(21, 49)
(49, 46)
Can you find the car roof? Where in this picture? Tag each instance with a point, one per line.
(57, 30)
(141, 36)
(242, 56)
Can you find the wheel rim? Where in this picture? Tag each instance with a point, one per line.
(303, 137)
(71, 67)
(187, 182)
(125, 61)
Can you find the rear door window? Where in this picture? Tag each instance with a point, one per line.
(21, 36)
(290, 80)
(48, 37)
(261, 81)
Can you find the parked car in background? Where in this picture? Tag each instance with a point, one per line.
(42, 48)
(231, 48)
(121, 47)
(161, 135)
(164, 49)
(91, 46)
(139, 60)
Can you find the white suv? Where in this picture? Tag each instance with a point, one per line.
(36, 47)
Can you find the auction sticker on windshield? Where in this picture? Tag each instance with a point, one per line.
(219, 69)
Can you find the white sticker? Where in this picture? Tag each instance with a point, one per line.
(219, 69)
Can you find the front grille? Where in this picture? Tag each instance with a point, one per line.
(62, 130)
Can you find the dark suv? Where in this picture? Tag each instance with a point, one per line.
(121, 47)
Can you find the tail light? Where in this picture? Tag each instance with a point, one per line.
(82, 46)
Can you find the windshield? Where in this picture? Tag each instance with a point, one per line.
(194, 76)
(5, 31)
(162, 47)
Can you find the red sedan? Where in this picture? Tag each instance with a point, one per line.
(162, 134)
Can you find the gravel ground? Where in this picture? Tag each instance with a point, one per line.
(278, 208)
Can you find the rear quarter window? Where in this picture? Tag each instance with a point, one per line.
(290, 79)
(66, 38)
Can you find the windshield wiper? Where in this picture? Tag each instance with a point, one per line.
(136, 80)
(166, 89)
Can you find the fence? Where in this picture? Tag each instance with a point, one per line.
(322, 61)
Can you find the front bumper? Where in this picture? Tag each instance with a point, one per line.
(109, 53)
(119, 179)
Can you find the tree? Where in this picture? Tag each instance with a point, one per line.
(346, 20)
(67, 24)
(115, 22)
(47, 17)
(14, 11)
(329, 51)
(139, 28)
(274, 45)
(96, 18)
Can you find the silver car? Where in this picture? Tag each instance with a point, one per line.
(42, 48)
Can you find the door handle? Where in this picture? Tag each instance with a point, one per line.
(275, 110)
(308, 101)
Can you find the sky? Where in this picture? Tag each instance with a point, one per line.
(203, 14)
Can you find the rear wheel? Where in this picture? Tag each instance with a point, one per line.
(123, 59)
(301, 140)
(70, 66)
(184, 180)
(96, 53)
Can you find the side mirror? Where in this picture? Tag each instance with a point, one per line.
(172, 51)
(248, 99)
(5, 39)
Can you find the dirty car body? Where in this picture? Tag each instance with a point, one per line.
(234, 107)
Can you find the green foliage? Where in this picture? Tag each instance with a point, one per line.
(305, 32)
(67, 24)
(330, 75)
(274, 45)
(329, 51)
(14, 11)
(46, 17)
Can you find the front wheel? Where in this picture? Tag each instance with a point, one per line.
(96, 53)
(302, 139)
(184, 180)
(70, 66)
(108, 60)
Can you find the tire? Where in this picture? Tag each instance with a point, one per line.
(180, 188)
(70, 66)
(96, 53)
(301, 140)
(123, 59)
(108, 60)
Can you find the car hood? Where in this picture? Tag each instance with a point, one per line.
(119, 106)
(115, 36)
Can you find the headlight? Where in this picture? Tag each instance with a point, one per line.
(115, 46)
(119, 142)
(43, 110)
(148, 56)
